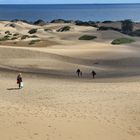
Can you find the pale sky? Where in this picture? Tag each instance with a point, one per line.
(65, 1)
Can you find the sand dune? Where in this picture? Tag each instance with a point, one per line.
(57, 105)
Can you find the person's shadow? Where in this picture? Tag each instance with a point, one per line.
(12, 88)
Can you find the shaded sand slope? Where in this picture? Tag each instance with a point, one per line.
(108, 61)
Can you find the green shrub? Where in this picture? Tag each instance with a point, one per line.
(122, 41)
(32, 31)
(13, 38)
(87, 37)
(135, 33)
(33, 42)
(47, 30)
(107, 21)
(12, 25)
(24, 37)
(64, 29)
(16, 34)
(104, 28)
(39, 22)
(34, 36)
(89, 23)
(127, 26)
(27, 36)
(7, 32)
(5, 38)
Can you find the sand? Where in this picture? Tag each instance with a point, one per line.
(57, 105)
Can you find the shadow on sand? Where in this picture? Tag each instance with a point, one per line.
(12, 88)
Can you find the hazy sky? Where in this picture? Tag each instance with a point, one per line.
(64, 1)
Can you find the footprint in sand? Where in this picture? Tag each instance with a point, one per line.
(36, 134)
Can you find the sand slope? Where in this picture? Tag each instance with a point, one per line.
(57, 105)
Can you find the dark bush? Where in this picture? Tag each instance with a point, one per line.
(122, 41)
(16, 34)
(7, 32)
(107, 21)
(127, 26)
(135, 33)
(82, 23)
(33, 42)
(7, 37)
(104, 28)
(58, 21)
(64, 29)
(87, 37)
(47, 30)
(16, 20)
(62, 21)
(24, 37)
(34, 36)
(40, 22)
(14, 38)
(12, 25)
(32, 31)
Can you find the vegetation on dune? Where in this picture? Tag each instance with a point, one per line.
(40, 22)
(24, 37)
(77, 22)
(33, 42)
(107, 21)
(122, 41)
(135, 33)
(16, 20)
(7, 37)
(47, 30)
(104, 28)
(127, 26)
(27, 36)
(88, 23)
(14, 38)
(59, 21)
(16, 34)
(32, 31)
(64, 29)
(34, 36)
(8, 33)
(12, 25)
(87, 37)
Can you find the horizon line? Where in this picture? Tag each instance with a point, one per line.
(61, 3)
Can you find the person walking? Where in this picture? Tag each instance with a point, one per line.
(19, 81)
(93, 74)
(78, 72)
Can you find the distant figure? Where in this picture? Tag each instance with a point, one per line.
(78, 72)
(19, 80)
(93, 74)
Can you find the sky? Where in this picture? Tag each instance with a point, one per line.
(65, 1)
